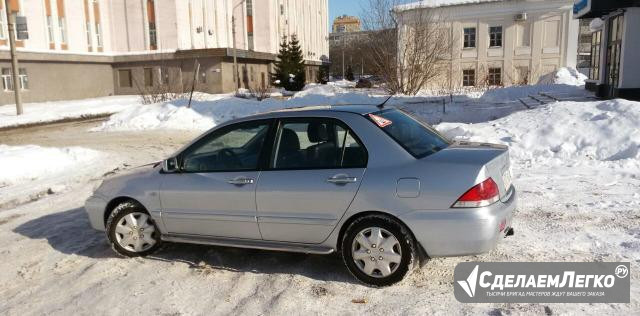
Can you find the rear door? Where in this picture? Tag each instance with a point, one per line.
(315, 170)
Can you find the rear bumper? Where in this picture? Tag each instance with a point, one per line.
(461, 231)
(95, 206)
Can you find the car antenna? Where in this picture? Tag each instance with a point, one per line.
(381, 105)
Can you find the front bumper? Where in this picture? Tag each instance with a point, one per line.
(95, 207)
(461, 231)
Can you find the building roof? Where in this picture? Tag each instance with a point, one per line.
(438, 4)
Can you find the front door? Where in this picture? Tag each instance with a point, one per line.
(214, 192)
(614, 50)
(315, 171)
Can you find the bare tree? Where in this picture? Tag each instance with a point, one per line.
(408, 48)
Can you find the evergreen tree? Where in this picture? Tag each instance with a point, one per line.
(297, 72)
(280, 76)
(349, 74)
(323, 74)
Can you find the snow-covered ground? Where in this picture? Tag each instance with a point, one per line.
(46, 112)
(575, 164)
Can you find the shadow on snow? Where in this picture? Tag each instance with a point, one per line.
(69, 232)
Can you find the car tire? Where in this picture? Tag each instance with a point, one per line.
(379, 267)
(131, 231)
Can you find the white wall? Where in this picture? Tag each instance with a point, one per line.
(629, 60)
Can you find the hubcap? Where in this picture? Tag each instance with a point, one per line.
(376, 252)
(134, 232)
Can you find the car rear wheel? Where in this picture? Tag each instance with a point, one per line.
(131, 231)
(378, 250)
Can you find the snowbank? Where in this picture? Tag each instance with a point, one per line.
(564, 76)
(45, 112)
(564, 133)
(30, 162)
(210, 110)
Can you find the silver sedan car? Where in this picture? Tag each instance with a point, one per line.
(375, 184)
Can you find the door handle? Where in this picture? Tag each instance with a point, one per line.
(342, 179)
(240, 181)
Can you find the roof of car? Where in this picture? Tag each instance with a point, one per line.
(352, 108)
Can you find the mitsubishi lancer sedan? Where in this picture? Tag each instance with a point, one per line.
(375, 184)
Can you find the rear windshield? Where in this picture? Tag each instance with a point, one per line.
(414, 135)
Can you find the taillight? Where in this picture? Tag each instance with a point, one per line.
(482, 194)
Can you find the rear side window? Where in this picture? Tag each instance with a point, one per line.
(418, 138)
(314, 143)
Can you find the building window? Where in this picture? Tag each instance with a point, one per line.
(50, 29)
(148, 77)
(164, 75)
(63, 29)
(495, 77)
(3, 17)
(249, 4)
(98, 35)
(469, 37)
(124, 78)
(88, 31)
(495, 36)
(523, 35)
(7, 79)
(522, 75)
(594, 72)
(152, 35)
(468, 77)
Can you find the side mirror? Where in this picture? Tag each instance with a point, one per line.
(170, 165)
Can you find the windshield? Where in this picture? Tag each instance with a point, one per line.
(417, 137)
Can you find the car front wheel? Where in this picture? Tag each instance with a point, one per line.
(378, 250)
(131, 231)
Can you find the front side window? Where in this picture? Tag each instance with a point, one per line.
(495, 36)
(235, 148)
(317, 144)
(415, 136)
(469, 37)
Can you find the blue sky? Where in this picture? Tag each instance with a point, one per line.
(340, 7)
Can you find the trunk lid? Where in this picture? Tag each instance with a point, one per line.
(490, 160)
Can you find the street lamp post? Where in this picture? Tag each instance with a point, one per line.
(236, 75)
(14, 58)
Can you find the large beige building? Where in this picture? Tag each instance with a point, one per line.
(87, 48)
(345, 23)
(501, 42)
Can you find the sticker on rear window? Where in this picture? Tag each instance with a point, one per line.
(380, 121)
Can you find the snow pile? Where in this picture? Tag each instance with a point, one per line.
(46, 112)
(30, 162)
(565, 81)
(563, 76)
(157, 116)
(564, 133)
(437, 4)
(210, 110)
(569, 76)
